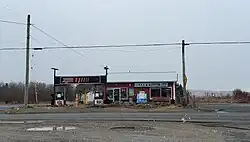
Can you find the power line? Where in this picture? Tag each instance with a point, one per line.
(133, 50)
(132, 72)
(12, 48)
(12, 22)
(64, 45)
(85, 47)
(219, 43)
(116, 46)
(36, 40)
(130, 45)
(41, 48)
(150, 45)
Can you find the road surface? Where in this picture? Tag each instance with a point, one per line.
(226, 125)
(132, 127)
(216, 113)
(198, 116)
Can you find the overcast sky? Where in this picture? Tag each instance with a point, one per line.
(98, 22)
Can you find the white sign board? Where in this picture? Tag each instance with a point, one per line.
(151, 85)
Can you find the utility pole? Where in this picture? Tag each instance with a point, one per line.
(177, 77)
(26, 91)
(184, 72)
(36, 92)
(106, 68)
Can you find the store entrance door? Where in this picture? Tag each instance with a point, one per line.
(116, 95)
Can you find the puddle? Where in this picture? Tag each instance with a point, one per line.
(222, 112)
(62, 128)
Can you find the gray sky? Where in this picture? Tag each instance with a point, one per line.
(98, 22)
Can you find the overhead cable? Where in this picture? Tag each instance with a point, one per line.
(12, 22)
(131, 45)
(65, 46)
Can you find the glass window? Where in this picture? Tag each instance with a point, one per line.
(155, 92)
(165, 92)
(131, 92)
(110, 94)
(124, 93)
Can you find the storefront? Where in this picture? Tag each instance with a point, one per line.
(119, 91)
(127, 91)
(82, 87)
(157, 91)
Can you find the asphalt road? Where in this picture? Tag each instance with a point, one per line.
(217, 113)
(190, 117)
(227, 107)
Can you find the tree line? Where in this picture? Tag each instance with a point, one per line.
(14, 93)
(241, 96)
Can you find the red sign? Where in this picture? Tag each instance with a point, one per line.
(80, 79)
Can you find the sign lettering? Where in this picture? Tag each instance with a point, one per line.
(80, 79)
(151, 85)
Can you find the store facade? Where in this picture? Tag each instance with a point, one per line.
(119, 91)
(82, 85)
(127, 91)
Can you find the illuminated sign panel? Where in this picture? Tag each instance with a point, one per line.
(80, 79)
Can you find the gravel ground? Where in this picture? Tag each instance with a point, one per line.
(122, 132)
(84, 109)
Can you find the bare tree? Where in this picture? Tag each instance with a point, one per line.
(13, 92)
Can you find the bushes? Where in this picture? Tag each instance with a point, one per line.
(240, 96)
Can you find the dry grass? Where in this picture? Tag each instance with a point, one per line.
(103, 108)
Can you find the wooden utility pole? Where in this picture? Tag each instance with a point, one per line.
(184, 72)
(26, 91)
(36, 92)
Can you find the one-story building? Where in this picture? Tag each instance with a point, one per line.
(125, 87)
(121, 87)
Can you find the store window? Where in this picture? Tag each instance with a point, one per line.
(155, 92)
(124, 93)
(131, 92)
(166, 92)
(110, 94)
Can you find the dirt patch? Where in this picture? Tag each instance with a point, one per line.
(83, 108)
(100, 131)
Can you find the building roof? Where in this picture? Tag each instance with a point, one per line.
(142, 77)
